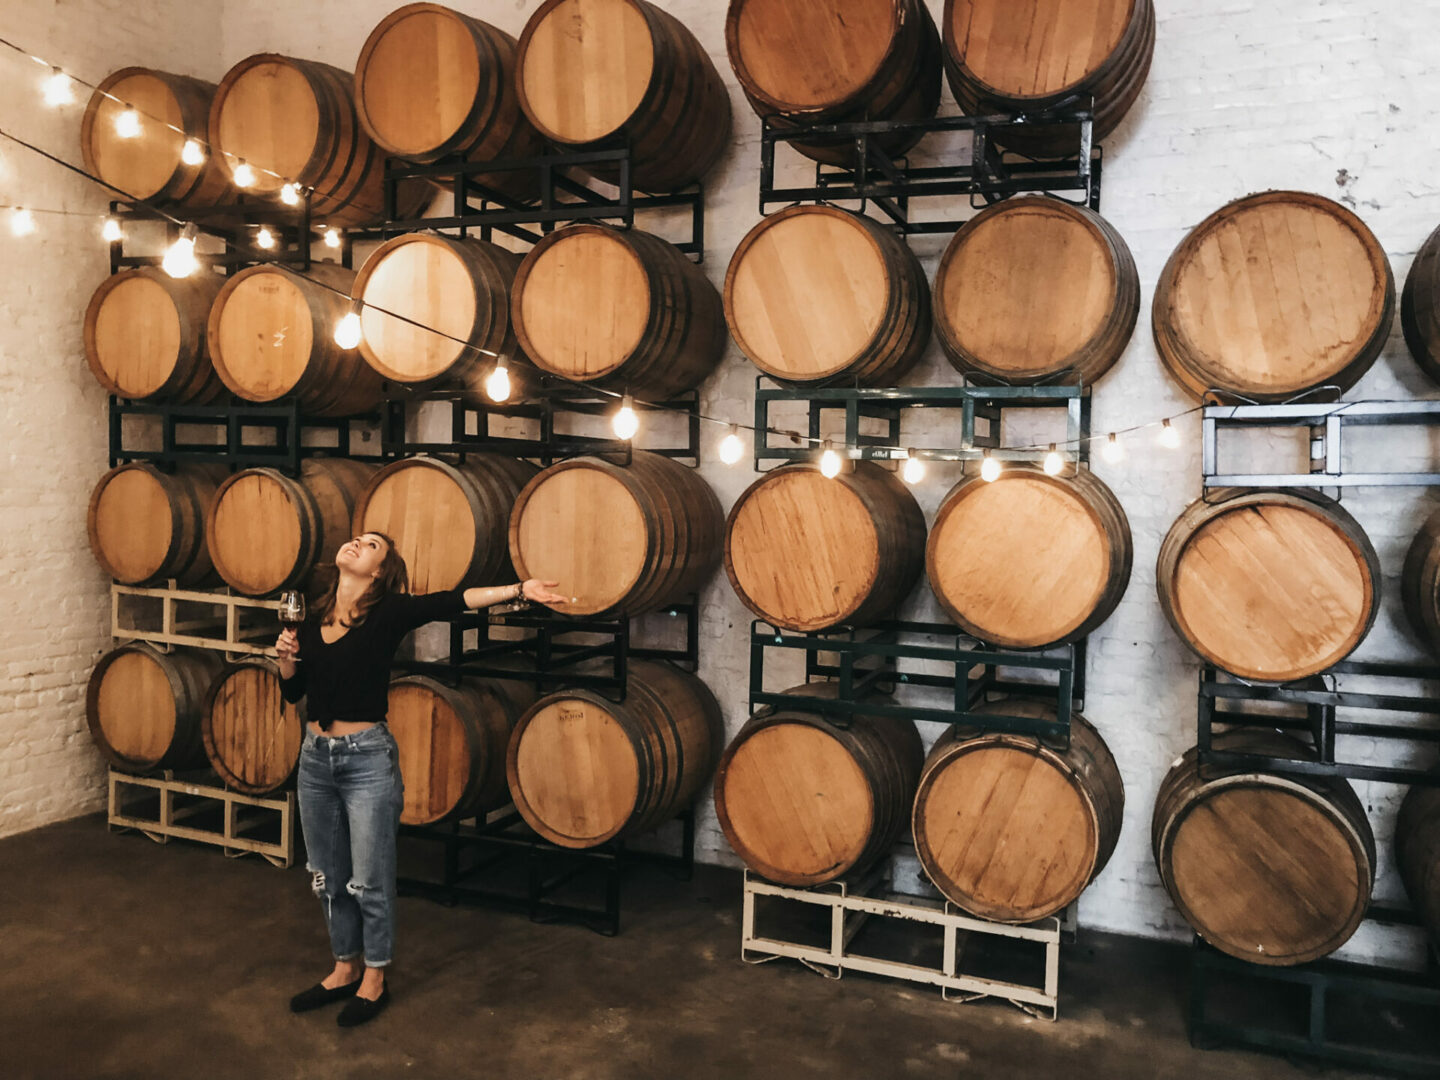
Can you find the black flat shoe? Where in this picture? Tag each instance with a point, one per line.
(359, 1010)
(320, 995)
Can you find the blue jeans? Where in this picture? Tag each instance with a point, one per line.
(351, 796)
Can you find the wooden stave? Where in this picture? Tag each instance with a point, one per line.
(901, 338)
(217, 755)
(1101, 354)
(686, 333)
(1420, 583)
(668, 715)
(1110, 514)
(681, 127)
(1087, 761)
(336, 382)
(193, 380)
(890, 755)
(1417, 854)
(1221, 500)
(1419, 312)
(190, 490)
(1191, 375)
(190, 672)
(900, 529)
(1186, 782)
(905, 87)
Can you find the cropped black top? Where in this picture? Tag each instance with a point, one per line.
(349, 678)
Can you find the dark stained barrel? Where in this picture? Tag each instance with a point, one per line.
(1420, 583)
(1417, 852)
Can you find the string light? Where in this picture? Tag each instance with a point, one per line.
(290, 193)
(127, 123)
(625, 422)
(58, 90)
(1112, 451)
(731, 448)
(244, 175)
(1054, 463)
(22, 222)
(497, 383)
(265, 238)
(829, 462)
(1169, 437)
(914, 469)
(192, 153)
(332, 238)
(347, 330)
(180, 261)
(111, 232)
(989, 468)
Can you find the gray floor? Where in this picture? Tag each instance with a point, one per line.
(122, 958)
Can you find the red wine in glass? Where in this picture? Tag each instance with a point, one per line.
(292, 609)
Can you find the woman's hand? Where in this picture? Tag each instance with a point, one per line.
(287, 651)
(542, 592)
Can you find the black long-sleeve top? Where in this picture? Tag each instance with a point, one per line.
(349, 678)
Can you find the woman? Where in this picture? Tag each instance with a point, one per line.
(349, 781)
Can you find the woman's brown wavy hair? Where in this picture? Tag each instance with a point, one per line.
(392, 578)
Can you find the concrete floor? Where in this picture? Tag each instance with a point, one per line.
(122, 958)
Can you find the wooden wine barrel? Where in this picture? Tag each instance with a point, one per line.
(272, 334)
(583, 769)
(147, 526)
(1030, 56)
(266, 531)
(1033, 288)
(1420, 307)
(596, 73)
(1268, 585)
(294, 120)
(818, 62)
(252, 735)
(458, 287)
(1417, 853)
(1010, 827)
(1029, 560)
(148, 166)
(144, 706)
(625, 539)
(620, 309)
(145, 336)
(815, 294)
(1275, 870)
(1272, 295)
(804, 802)
(452, 744)
(806, 553)
(1420, 583)
(432, 83)
(450, 523)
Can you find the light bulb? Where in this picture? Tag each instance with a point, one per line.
(914, 469)
(626, 423)
(290, 193)
(497, 383)
(1169, 437)
(192, 153)
(1112, 451)
(58, 90)
(111, 232)
(332, 238)
(347, 330)
(180, 258)
(731, 448)
(22, 222)
(127, 123)
(989, 468)
(244, 175)
(829, 463)
(265, 238)
(1054, 463)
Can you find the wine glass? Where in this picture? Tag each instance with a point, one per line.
(292, 609)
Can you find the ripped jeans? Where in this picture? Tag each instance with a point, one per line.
(351, 795)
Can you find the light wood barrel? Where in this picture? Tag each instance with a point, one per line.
(806, 553)
(815, 294)
(1420, 583)
(458, 287)
(1272, 586)
(803, 801)
(148, 166)
(1420, 307)
(252, 735)
(1417, 853)
(583, 769)
(822, 62)
(620, 309)
(1011, 828)
(450, 522)
(594, 73)
(1031, 56)
(272, 334)
(145, 336)
(1275, 870)
(266, 531)
(147, 526)
(1029, 560)
(1273, 295)
(432, 83)
(620, 539)
(452, 744)
(296, 118)
(144, 706)
(1032, 289)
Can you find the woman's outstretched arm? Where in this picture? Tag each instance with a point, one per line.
(541, 592)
